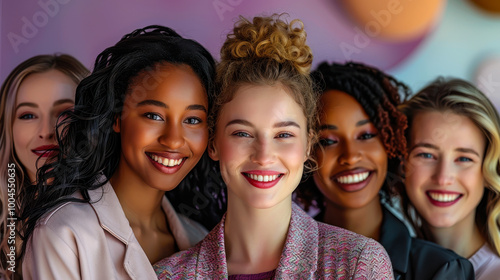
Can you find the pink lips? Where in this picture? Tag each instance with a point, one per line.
(259, 183)
(443, 198)
(352, 187)
(46, 150)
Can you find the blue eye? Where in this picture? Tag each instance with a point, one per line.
(192, 120)
(464, 159)
(27, 117)
(153, 116)
(366, 136)
(241, 134)
(425, 155)
(284, 135)
(327, 142)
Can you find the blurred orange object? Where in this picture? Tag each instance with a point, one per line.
(395, 20)
(492, 6)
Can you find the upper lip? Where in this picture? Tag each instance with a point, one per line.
(443, 192)
(46, 148)
(169, 155)
(263, 172)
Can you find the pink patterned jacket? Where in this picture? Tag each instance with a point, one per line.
(313, 250)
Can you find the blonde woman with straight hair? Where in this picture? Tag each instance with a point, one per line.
(32, 98)
(452, 172)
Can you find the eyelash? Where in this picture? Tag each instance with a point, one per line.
(367, 135)
(325, 142)
(25, 116)
(280, 135)
(157, 117)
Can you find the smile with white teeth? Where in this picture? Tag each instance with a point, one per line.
(262, 178)
(353, 179)
(166, 161)
(444, 197)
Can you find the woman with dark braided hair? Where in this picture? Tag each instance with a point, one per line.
(362, 143)
(139, 126)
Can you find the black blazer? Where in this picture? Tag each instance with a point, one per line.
(417, 259)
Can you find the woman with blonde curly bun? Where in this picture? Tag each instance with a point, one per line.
(262, 129)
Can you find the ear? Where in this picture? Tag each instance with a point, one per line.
(212, 151)
(117, 124)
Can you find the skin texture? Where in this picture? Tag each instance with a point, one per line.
(445, 164)
(262, 129)
(165, 115)
(41, 98)
(351, 145)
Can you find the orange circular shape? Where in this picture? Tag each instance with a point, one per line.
(395, 20)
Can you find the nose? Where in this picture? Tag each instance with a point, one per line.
(172, 136)
(47, 128)
(349, 154)
(263, 153)
(444, 174)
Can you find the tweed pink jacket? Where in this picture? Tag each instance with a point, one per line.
(313, 250)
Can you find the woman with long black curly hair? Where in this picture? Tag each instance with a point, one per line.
(139, 126)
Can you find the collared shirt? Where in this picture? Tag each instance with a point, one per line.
(95, 241)
(415, 259)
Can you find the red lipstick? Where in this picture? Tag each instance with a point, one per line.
(443, 198)
(262, 179)
(46, 150)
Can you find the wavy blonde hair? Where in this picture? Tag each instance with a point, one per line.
(267, 51)
(66, 64)
(462, 98)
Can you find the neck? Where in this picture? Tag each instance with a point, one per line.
(464, 237)
(141, 203)
(366, 220)
(255, 238)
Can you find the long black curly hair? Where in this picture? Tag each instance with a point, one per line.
(379, 94)
(89, 148)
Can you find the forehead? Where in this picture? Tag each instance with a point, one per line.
(45, 87)
(337, 104)
(446, 129)
(263, 103)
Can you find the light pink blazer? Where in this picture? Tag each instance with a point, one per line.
(95, 241)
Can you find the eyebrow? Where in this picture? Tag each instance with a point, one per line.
(334, 127)
(434, 147)
(276, 125)
(34, 105)
(163, 105)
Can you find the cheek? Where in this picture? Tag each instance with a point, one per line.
(21, 134)
(197, 140)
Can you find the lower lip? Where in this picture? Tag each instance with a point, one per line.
(263, 185)
(44, 154)
(166, 169)
(354, 187)
(442, 204)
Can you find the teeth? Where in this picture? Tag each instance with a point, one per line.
(353, 179)
(166, 161)
(262, 178)
(442, 197)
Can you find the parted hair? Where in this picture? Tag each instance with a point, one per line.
(267, 51)
(461, 97)
(66, 64)
(379, 94)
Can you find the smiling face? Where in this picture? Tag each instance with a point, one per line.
(444, 179)
(353, 165)
(261, 143)
(41, 98)
(163, 128)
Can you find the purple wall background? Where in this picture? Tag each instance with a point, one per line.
(459, 42)
(85, 28)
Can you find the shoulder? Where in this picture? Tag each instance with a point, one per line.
(70, 214)
(343, 239)
(181, 265)
(437, 262)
